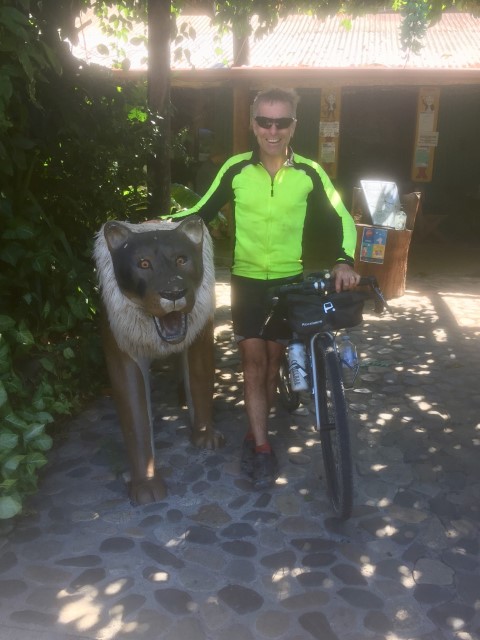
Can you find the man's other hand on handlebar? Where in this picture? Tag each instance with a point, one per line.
(345, 277)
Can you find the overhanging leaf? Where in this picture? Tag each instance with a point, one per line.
(8, 441)
(43, 442)
(11, 463)
(34, 430)
(13, 420)
(9, 507)
(6, 322)
(24, 336)
(3, 395)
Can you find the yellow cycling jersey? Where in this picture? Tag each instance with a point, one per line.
(269, 213)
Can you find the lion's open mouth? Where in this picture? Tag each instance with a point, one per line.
(171, 328)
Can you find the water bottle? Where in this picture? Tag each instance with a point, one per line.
(349, 360)
(400, 219)
(297, 365)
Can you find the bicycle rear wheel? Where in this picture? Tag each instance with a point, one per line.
(334, 429)
(290, 399)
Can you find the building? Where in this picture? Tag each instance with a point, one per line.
(410, 118)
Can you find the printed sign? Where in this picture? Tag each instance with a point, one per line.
(329, 129)
(426, 135)
(374, 241)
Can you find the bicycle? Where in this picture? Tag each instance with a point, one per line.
(317, 330)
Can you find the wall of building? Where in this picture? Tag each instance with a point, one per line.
(377, 131)
(455, 187)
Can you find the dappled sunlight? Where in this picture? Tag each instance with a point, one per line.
(464, 307)
(159, 576)
(83, 612)
(222, 330)
(175, 542)
(367, 570)
(386, 532)
(215, 558)
(476, 441)
(282, 573)
(116, 587)
(295, 449)
(406, 577)
(425, 406)
(409, 412)
(407, 436)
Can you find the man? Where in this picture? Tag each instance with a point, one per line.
(271, 189)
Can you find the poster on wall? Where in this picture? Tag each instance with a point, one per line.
(329, 129)
(327, 153)
(374, 242)
(426, 136)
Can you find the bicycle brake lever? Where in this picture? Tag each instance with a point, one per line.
(381, 304)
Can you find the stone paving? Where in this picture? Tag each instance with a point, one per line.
(219, 561)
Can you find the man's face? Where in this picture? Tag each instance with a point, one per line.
(274, 141)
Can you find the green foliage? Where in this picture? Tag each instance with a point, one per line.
(418, 15)
(23, 440)
(73, 147)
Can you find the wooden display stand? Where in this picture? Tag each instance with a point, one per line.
(392, 272)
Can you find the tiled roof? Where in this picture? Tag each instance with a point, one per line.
(372, 41)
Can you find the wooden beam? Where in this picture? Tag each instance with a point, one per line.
(259, 78)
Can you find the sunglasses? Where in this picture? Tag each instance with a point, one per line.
(280, 123)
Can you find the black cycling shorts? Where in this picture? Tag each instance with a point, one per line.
(250, 307)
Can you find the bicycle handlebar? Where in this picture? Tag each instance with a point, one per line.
(324, 283)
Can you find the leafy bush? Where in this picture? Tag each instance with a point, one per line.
(73, 147)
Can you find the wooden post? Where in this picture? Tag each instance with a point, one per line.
(158, 169)
(241, 49)
(241, 119)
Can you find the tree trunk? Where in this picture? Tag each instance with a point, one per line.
(158, 170)
(241, 50)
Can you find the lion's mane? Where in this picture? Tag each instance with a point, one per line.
(134, 330)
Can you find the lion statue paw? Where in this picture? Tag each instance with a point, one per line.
(207, 439)
(147, 490)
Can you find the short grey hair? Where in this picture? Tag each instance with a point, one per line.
(288, 96)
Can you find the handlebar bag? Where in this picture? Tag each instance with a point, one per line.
(309, 314)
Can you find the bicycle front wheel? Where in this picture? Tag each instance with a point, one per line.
(334, 430)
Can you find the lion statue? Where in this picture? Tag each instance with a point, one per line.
(157, 284)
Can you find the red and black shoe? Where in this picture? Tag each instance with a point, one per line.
(265, 470)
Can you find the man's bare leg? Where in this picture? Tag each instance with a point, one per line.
(260, 361)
